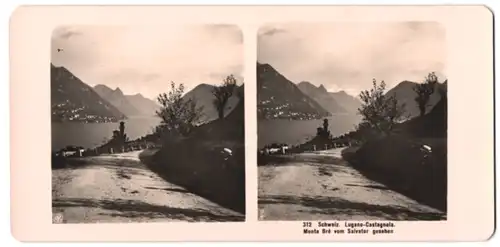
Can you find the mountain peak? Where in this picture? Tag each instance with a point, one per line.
(102, 86)
(91, 106)
(265, 67)
(118, 90)
(56, 67)
(203, 86)
(306, 83)
(407, 82)
(341, 92)
(322, 88)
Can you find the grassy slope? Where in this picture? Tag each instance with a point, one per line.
(398, 162)
(197, 164)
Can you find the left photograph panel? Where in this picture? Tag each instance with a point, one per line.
(147, 124)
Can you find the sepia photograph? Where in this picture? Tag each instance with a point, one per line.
(147, 123)
(352, 121)
(251, 123)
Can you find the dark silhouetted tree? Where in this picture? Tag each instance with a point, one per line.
(178, 115)
(222, 94)
(379, 111)
(325, 124)
(424, 91)
(323, 132)
(122, 128)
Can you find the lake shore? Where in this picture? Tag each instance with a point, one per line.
(91, 135)
(294, 132)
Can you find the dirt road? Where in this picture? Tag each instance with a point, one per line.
(309, 188)
(119, 188)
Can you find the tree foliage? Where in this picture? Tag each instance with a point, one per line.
(424, 91)
(379, 111)
(178, 115)
(222, 94)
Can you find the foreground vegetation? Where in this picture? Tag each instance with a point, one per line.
(208, 159)
(407, 156)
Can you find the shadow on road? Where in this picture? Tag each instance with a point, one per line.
(287, 159)
(329, 169)
(335, 205)
(167, 189)
(399, 164)
(202, 172)
(139, 209)
(101, 161)
(370, 186)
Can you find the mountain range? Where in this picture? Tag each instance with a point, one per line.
(73, 100)
(349, 103)
(103, 104)
(323, 97)
(404, 93)
(335, 102)
(202, 95)
(278, 97)
(130, 105)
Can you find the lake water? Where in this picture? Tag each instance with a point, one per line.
(89, 135)
(293, 132)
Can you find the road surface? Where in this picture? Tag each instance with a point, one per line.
(309, 188)
(119, 188)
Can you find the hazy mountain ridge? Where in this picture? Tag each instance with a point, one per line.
(146, 106)
(118, 99)
(73, 100)
(278, 97)
(322, 96)
(349, 103)
(405, 95)
(202, 95)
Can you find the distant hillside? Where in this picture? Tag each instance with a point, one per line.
(118, 99)
(203, 96)
(404, 94)
(146, 107)
(232, 127)
(433, 124)
(320, 95)
(277, 97)
(348, 102)
(73, 100)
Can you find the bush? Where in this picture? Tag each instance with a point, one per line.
(399, 163)
(203, 170)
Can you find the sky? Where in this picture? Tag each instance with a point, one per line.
(348, 56)
(145, 59)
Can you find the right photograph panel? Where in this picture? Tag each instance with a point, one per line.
(352, 121)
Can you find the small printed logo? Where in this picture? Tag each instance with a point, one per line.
(57, 218)
(261, 214)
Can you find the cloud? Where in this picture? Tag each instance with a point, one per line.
(347, 56)
(144, 59)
